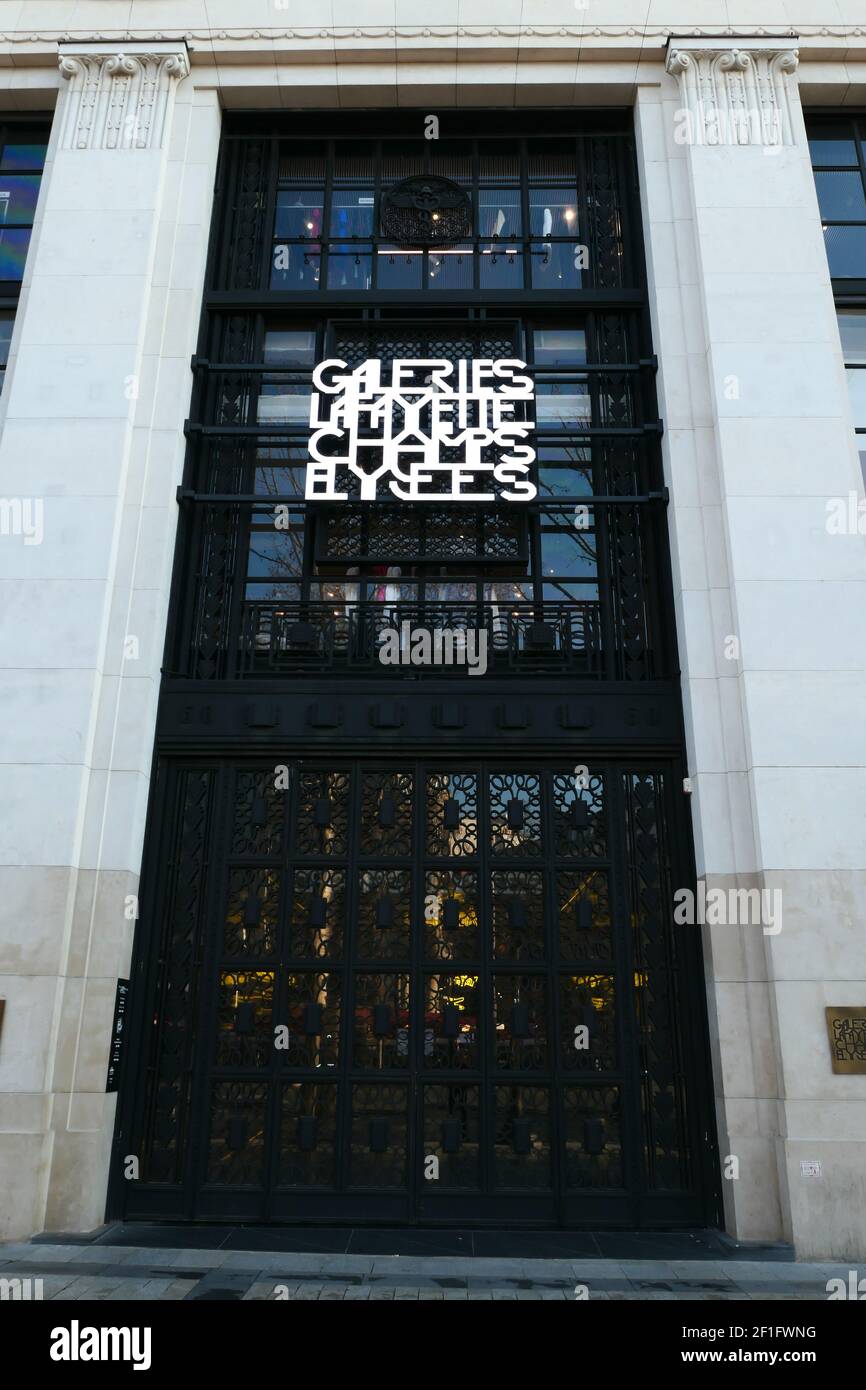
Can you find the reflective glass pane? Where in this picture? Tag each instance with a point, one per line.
(857, 392)
(846, 251)
(283, 401)
(557, 265)
(553, 347)
(352, 212)
(290, 347)
(7, 320)
(451, 269)
(552, 212)
(841, 196)
(564, 403)
(18, 194)
(499, 212)
(299, 213)
(852, 330)
(23, 156)
(560, 480)
(295, 267)
(567, 550)
(398, 269)
(276, 553)
(350, 267)
(833, 144)
(13, 253)
(501, 267)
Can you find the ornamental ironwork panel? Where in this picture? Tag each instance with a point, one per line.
(170, 1048)
(425, 211)
(415, 961)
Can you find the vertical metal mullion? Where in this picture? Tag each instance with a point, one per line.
(269, 213)
(377, 203)
(523, 174)
(417, 981)
(346, 1068)
(280, 1014)
(215, 878)
(487, 1059)
(327, 198)
(555, 1041)
(621, 889)
(608, 585)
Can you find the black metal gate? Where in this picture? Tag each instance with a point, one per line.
(414, 991)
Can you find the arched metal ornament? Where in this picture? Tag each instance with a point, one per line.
(425, 211)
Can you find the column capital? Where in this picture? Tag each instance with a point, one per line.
(735, 91)
(118, 96)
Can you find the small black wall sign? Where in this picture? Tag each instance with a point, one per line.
(120, 1004)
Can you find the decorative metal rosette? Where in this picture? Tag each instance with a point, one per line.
(426, 211)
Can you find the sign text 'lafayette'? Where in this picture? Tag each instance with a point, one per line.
(425, 429)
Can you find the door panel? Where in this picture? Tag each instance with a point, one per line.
(426, 993)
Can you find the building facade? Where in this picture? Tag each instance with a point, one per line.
(433, 579)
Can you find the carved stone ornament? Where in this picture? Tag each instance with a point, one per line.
(425, 211)
(734, 96)
(118, 101)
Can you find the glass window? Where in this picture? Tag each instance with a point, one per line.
(7, 319)
(840, 196)
(284, 402)
(18, 194)
(499, 213)
(555, 347)
(856, 377)
(399, 269)
(295, 267)
(514, 197)
(552, 212)
(352, 212)
(557, 265)
(299, 213)
(832, 144)
(852, 330)
(13, 253)
(290, 347)
(846, 251)
(564, 472)
(451, 269)
(275, 552)
(568, 551)
(350, 267)
(21, 155)
(562, 404)
(501, 266)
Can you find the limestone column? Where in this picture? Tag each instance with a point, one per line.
(772, 618)
(96, 393)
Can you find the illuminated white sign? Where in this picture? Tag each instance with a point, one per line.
(391, 426)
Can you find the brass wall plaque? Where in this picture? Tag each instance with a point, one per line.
(846, 1029)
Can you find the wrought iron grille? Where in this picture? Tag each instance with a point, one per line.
(418, 960)
(568, 583)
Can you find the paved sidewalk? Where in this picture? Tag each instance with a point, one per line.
(136, 1273)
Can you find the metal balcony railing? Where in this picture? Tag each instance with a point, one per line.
(419, 639)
